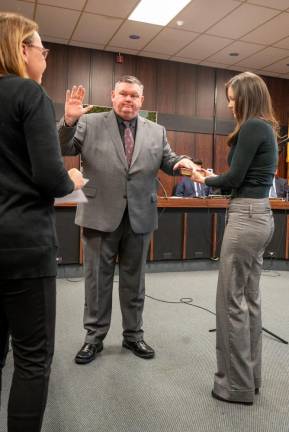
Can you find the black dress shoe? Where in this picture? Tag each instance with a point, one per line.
(139, 348)
(215, 396)
(88, 352)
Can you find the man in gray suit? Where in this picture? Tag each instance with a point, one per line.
(121, 154)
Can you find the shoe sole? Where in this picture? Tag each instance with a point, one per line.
(144, 356)
(86, 361)
(219, 398)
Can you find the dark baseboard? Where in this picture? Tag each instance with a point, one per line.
(76, 271)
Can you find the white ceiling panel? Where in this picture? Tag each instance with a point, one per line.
(185, 60)
(121, 50)
(201, 14)
(154, 55)
(213, 64)
(242, 20)
(237, 68)
(284, 43)
(170, 41)
(53, 39)
(279, 67)
(68, 4)
(111, 7)
(273, 74)
(274, 4)
(203, 47)
(145, 31)
(264, 58)
(257, 29)
(272, 31)
(21, 7)
(96, 29)
(87, 44)
(242, 48)
(55, 21)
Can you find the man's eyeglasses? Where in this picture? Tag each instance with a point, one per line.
(44, 51)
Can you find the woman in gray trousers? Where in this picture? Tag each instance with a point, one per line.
(252, 161)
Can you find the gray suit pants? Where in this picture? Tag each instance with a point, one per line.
(238, 308)
(101, 250)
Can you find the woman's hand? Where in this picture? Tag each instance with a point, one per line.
(77, 178)
(209, 173)
(198, 176)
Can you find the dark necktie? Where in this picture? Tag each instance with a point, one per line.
(128, 142)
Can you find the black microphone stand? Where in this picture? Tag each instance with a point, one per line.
(267, 331)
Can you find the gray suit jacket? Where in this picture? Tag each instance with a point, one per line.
(112, 185)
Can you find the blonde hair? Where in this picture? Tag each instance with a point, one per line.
(252, 99)
(14, 31)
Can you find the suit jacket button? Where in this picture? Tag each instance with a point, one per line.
(125, 196)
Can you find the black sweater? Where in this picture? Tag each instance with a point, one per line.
(252, 159)
(31, 175)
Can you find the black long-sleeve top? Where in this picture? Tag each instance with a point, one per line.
(31, 175)
(252, 159)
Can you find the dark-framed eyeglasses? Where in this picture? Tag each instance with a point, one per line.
(44, 51)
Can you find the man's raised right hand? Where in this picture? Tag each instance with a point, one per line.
(74, 108)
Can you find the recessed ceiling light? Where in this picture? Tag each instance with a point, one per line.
(159, 12)
(180, 23)
(233, 54)
(134, 36)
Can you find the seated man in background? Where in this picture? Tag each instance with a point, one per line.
(188, 188)
(279, 188)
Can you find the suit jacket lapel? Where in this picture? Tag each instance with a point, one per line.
(139, 139)
(112, 127)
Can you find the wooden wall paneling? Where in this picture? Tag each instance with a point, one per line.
(221, 151)
(166, 86)
(128, 67)
(186, 89)
(167, 182)
(55, 76)
(146, 72)
(204, 149)
(282, 156)
(71, 162)
(222, 110)
(205, 91)
(101, 78)
(279, 91)
(79, 69)
(185, 144)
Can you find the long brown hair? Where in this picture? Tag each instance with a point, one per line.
(14, 31)
(252, 99)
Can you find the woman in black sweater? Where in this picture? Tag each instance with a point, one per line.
(31, 175)
(252, 160)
